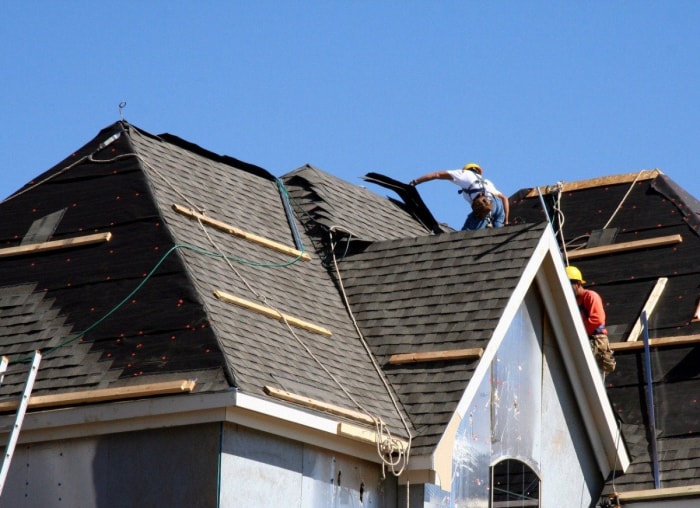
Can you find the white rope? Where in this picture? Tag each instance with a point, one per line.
(623, 199)
(580, 237)
(560, 215)
(403, 455)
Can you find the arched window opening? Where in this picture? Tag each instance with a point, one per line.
(513, 485)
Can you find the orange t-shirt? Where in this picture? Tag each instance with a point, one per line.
(591, 306)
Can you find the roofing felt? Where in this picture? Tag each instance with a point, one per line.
(678, 462)
(81, 288)
(636, 210)
(435, 293)
(627, 208)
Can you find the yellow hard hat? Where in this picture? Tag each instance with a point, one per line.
(474, 167)
(574, 274)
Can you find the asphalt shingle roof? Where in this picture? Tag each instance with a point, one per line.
(327, 201)
(435, 293)
(143, 304)
(261, 351)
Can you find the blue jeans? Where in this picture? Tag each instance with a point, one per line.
(495, 219)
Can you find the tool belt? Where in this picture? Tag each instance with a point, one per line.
(602, 352)
(482, 206)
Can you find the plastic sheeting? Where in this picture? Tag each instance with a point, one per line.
(503, 421)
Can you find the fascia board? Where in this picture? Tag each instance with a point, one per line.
(286, 421)
(585, 378)
(270, 408)
(187, 409)
(120, 416)
(662, 494)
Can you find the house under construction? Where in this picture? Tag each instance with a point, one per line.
(182, 328)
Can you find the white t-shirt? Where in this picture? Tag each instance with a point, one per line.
(472, 183)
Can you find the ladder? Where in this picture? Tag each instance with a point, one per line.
(19, 417)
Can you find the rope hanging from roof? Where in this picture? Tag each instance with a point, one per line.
(619, 206)
(384, 444)
(559, 214)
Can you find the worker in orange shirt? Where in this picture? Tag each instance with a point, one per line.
(593, 314)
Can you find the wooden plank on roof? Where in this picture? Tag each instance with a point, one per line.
(102, 395)
(357, 433)
(681, 340)
(272, 313)
(646, 174)
(318, 405)
(649, 307)
(435, 356)
(367, 436)
(76, 241)
(663, 493)
(232, 230)
(625, 246)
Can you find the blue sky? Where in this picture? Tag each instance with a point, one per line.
(535, 91)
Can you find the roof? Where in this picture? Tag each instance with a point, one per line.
(435, 293)
(635, 237)
(143, 304)
(325, 202)
(205, 267)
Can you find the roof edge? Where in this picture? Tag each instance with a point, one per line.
(315, 428)
(104, 138)
(195, 148)
(644, 174)
(661, 493)
(596, 410)
(232, 406)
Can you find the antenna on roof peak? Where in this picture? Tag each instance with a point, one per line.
(122, 105)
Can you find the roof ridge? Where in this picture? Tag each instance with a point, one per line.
(644, 174)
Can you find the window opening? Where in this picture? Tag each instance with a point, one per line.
(514, 484)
